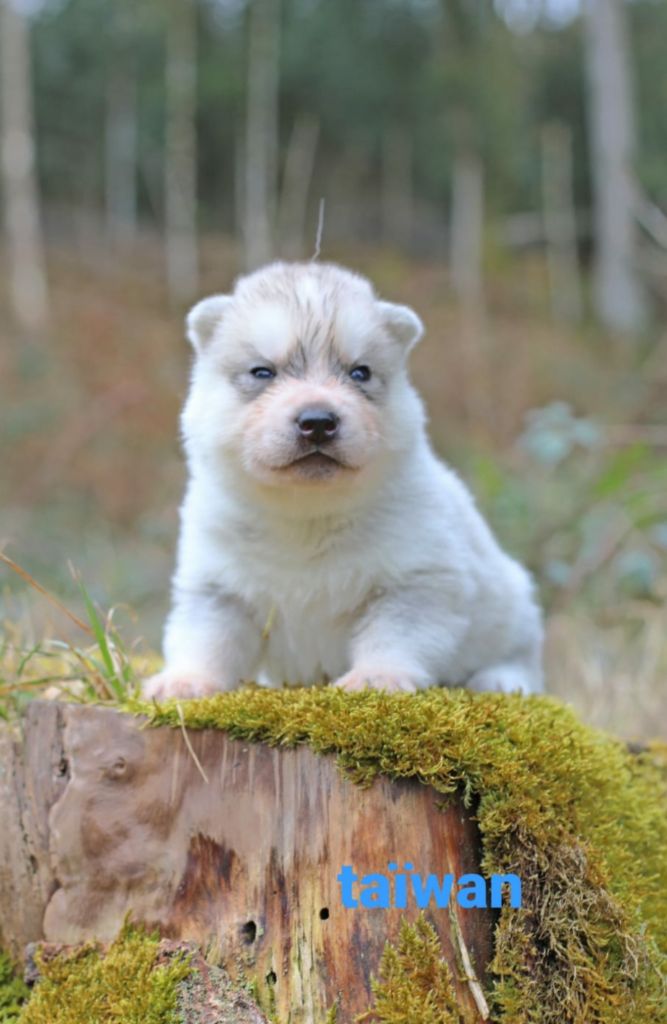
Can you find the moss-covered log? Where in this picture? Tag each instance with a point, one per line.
(233, 845)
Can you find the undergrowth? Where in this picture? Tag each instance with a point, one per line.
(100, 670)
(13, 992)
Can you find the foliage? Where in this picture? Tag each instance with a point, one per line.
(573, 813)
(588, 515)
(121, 984)
(13, 992)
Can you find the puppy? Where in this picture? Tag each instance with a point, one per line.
(321, 538)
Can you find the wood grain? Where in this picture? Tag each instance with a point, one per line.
(119, 819)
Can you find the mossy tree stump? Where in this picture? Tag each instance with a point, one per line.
(230, 844)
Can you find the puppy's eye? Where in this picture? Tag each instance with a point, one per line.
(360, 373)
(262, 372)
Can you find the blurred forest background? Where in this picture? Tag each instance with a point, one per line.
(502, 167)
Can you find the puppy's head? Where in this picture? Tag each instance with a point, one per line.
(300, 378)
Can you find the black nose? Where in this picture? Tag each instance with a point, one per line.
(317, 425)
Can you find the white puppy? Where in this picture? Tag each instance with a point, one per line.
(321, 538)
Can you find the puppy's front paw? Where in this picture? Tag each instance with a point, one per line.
(183, 684)
(505, 679)
(389, 682)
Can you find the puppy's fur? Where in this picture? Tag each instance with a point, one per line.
(357, 558)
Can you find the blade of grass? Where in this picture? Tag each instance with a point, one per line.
(26, 658)
(123, 665)
(25, 575)
(95, 672)
(110, 673)
(26, 684)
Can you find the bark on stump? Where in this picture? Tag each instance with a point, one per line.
(102, 816)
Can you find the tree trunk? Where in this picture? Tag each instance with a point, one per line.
(121, 153)
(297, 178)
(466, 253)
(27, 274)
(560, 223)
(233, 845)
(261, 144)
(467, 228)
(239, 182)
(397, 192)
(620, 300)
(181, 151)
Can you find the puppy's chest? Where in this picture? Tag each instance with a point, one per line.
(328, 571)
(306, 596)
(304, 642)
(318, 590)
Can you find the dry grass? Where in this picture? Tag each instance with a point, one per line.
(101, 670)
(614, 675)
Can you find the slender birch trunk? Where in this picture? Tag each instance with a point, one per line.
(121, 154)
(27, 281)
(397, 190)
(297, 179)
(619, 297)
(261, 142)
(466, 256)
(467, 227)
(560, 223)
(181, 151)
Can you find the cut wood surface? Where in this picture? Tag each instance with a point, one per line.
(233, 845)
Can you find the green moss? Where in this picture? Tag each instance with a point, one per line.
(415, 982)
(570, 810)
(13, 992)
(121, 986)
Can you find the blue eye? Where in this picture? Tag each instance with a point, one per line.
(360, 373)
(262, 372)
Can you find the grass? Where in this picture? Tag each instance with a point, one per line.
(101, 671)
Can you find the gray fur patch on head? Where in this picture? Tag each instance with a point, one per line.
(249, 387)
(286, 282)
(312, 296)
(316, 350)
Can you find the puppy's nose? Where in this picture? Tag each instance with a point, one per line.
(317, 425)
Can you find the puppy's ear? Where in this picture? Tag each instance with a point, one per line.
(203, 319)
(402, 323)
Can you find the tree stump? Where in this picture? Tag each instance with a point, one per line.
(233, 845)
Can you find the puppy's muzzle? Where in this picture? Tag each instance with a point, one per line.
(317, 425)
